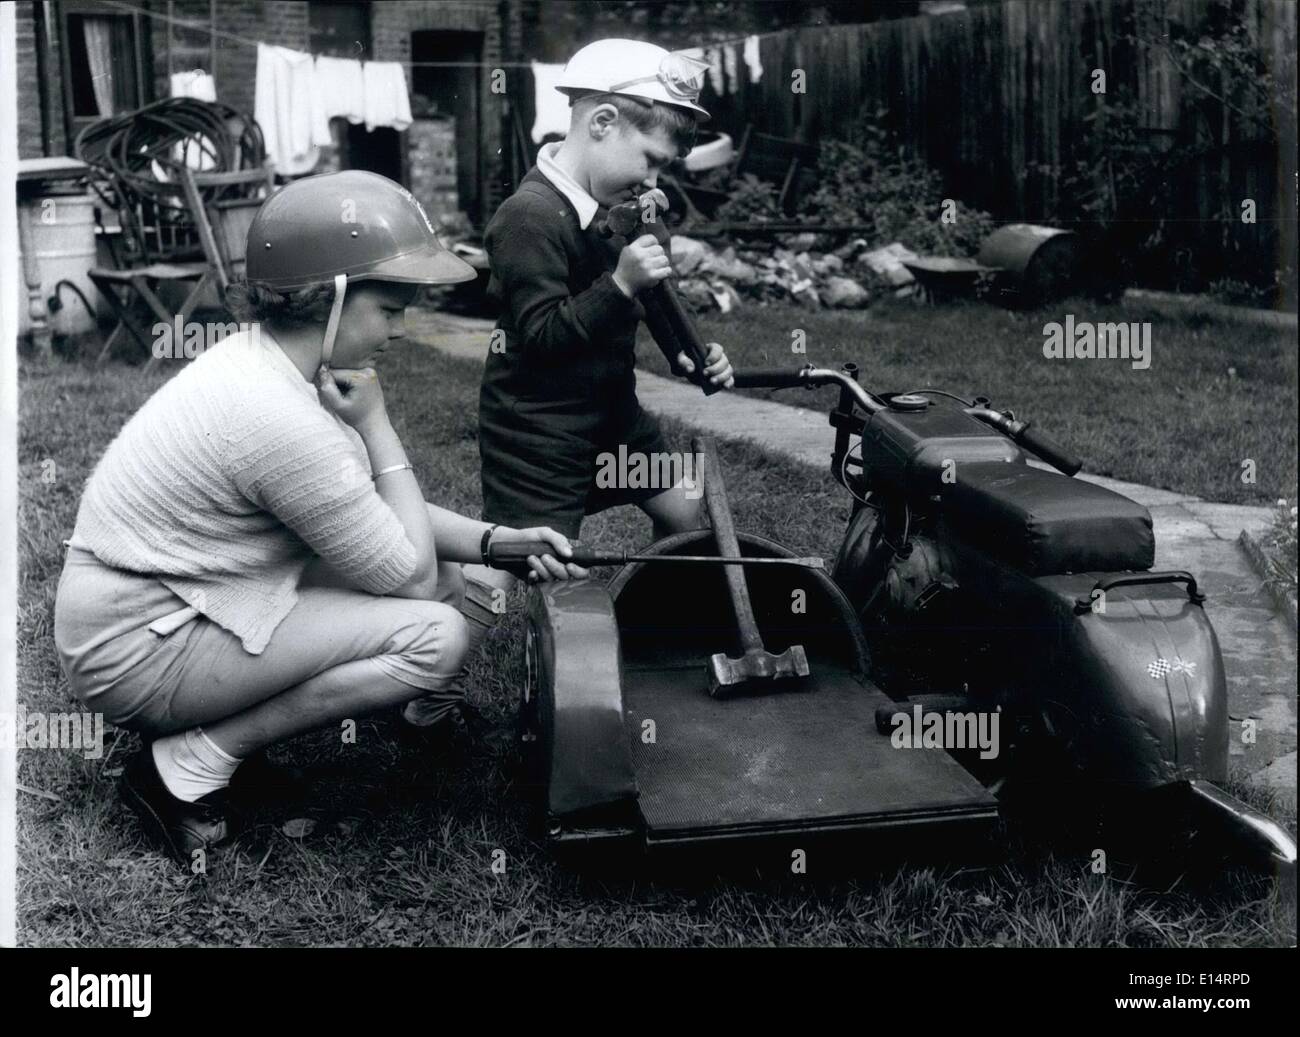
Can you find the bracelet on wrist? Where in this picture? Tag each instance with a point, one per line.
(486, 542)
(392, 468)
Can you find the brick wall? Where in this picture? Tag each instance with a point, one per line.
(179, 47)
(432, 151)
(430, 145)
(29, 99)
(29, 95)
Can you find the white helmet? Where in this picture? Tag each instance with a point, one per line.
(636, 69)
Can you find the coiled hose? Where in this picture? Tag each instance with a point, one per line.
(137, 157)
(145, 150)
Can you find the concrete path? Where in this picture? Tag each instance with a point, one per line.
(1259, 647)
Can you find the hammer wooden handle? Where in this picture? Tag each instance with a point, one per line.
(724, 532)
(668, 320)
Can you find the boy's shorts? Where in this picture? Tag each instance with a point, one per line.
(531, 479)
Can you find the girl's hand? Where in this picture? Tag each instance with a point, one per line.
(547, 567)
(354, 395)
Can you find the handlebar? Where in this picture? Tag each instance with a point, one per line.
(1050, 451)
(1018, 432)
(1035, 442)
(785, 378)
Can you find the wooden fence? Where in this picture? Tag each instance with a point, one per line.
(998, 96)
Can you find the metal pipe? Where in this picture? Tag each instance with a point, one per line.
(512, 553)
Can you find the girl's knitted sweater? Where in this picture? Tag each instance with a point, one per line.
(228, 480)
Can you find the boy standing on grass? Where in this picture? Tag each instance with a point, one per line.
(558, 387)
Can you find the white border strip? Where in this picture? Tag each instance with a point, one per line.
(10, 292)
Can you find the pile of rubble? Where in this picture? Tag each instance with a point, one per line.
(788, 269)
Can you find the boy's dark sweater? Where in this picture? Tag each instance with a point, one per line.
(566, 364)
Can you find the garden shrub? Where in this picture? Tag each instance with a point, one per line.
(868, 179)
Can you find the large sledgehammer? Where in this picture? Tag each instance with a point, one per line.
(757, 666)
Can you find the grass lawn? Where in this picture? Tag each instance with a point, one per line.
(403, 844)
(1187, 423)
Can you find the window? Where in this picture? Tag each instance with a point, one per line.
(103, 65)
(339, 28)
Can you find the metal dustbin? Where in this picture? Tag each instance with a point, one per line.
(1034, 264)
(56, 243)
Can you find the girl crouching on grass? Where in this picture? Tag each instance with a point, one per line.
(253, 557)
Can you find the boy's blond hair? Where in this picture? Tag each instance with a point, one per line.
(646, 116)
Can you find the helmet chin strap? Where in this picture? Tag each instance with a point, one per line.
(336, 311)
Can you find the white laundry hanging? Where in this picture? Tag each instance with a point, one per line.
(387, 101)
(752, 59)
(551, 106)
(729, 67)
(284, 106)
(202, 87)
(340, 89)
(197, 84)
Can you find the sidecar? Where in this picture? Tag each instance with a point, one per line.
(627, 750)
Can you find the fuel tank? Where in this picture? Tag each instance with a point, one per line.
(908, 446)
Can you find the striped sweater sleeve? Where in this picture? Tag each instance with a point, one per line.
(291, 459)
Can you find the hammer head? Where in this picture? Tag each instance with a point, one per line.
(627, 218)
(754, 671)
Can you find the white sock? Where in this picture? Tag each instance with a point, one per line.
(191, 765)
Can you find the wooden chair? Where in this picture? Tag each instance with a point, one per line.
(222, 206)
(781, 160)
(160, 248)
(198, 241)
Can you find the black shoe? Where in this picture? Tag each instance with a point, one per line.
(179, 827)
(259, 780)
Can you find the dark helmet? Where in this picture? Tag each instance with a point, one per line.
(355, 224)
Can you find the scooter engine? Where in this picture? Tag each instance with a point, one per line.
(915, 579)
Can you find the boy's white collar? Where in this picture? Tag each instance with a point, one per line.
(582, 202)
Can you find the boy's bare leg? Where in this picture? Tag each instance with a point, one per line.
(679, 510)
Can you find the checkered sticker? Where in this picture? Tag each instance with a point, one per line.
(1163, 667)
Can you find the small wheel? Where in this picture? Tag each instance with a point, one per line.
(528, 735)
(529, 720)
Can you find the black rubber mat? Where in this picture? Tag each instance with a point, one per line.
(808, 758)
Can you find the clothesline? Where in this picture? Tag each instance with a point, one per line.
(191, 24)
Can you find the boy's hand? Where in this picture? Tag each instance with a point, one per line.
(717, 368)
(547, 567)
(641, 265)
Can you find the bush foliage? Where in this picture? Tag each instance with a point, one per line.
(875, 184)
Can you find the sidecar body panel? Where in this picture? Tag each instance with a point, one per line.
(1130, 696)
(575, 672)
(641, 752)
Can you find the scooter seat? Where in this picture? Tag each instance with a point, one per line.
(1045, 523)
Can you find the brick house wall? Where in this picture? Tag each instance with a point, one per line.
(430, 153)
(513, 31)
(188, 41)
(175, 47)
(29, 97)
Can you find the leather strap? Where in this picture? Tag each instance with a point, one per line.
(336, 311)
